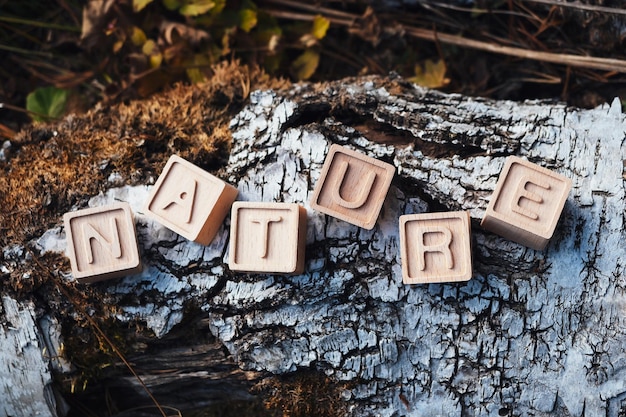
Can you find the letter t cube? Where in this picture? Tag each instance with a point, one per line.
(267, 237)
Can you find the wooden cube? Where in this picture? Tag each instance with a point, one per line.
(267, 237)
(190, 201)
(352, 186)
(435, 247)
(101, 242)
(527, 203)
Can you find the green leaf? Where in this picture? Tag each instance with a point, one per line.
(196, 7)
(47, 103)
(305, 65)
(171, 4)
(247, 19)
(320, 26)
(138, 5)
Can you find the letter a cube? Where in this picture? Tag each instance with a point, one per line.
(352, 186)
(527, 203)
(267, 237)
(435, 247)
(189, 200)
(101, 243)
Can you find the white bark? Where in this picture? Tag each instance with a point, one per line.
(533, 333)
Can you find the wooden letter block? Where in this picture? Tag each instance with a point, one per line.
(267, 237)
(101, 242)
(435, 247)
(352, 186)
(190, 201)
(527, 203)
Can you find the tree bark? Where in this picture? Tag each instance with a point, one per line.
(532, 333)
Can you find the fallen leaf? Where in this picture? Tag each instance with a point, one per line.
(247, 19)
(320, 26)
(196, 7)
(305, 65)
(94, 19)
(431, 74)
(139, 5)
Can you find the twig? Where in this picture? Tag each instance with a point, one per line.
(580, 6)
(605, 64)
(97, 328)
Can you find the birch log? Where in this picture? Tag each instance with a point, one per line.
(532, 333)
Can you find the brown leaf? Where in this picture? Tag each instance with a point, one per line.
(95, 16)
(172, 31)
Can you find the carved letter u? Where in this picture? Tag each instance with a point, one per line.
(365, 190)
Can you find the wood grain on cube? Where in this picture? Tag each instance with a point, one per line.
(352, 186)
(435, 247)
(267, 237)
(527, 203)
(101, 242)
(190, 201)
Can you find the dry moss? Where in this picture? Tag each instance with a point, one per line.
(55, 167)
(304, 393)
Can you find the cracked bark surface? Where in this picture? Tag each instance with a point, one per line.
(532, 333)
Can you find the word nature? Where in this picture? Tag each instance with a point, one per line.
(271, 237)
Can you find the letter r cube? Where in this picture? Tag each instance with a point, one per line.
(189, 200)
(435, 247)
(527, 203)
(267, 237)
(101, 243)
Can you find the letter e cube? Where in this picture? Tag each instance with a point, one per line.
(101, 243)
(352, 186)
(267, 237)
(189, 200)
(527, 203)
(435, 247)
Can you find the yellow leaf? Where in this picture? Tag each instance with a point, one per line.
(138, 5)
(247, 19)
(117, 46)
(305, 65)
(196, 7)
(320, 26)
(431, 74)
(155, 60)
(138, 37)
(150, 47)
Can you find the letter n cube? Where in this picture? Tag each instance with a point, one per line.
(352, 186)
(435, 247)
(101, 242)
(527, 203)
(267, 237)
(189, 200)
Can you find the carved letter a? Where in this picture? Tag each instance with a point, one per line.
(185, 198)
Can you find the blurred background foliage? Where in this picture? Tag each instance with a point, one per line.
(64, 56)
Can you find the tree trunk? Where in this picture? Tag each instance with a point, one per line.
(532, 333)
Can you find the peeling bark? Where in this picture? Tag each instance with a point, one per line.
(533, 333)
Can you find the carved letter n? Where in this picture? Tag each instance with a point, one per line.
(435, 247)
(267, 237)
(101, 242)
(189, 200)
(352, 186)
(527, 203)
